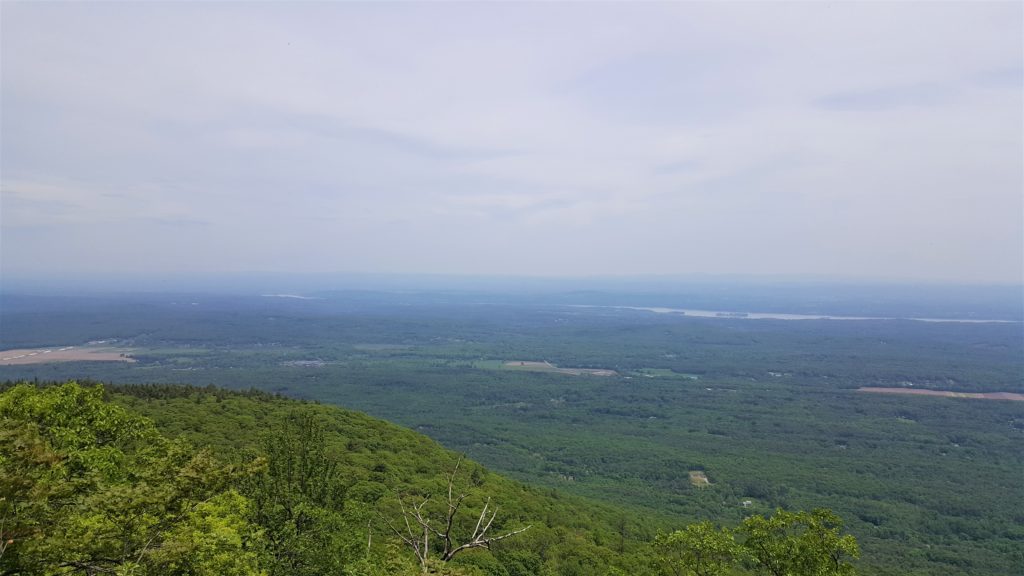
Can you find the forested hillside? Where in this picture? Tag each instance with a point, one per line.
(768, 410)
(181, 480)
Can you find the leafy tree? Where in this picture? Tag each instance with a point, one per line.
(826, 549)
(700, 549)
(296, 498)
(785, 544)
(799, 544)
(89, 487)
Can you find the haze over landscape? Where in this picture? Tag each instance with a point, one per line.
(857, 140)
(511, 288)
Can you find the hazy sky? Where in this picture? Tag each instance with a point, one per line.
(874, 140)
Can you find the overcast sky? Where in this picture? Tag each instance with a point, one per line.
(862, 140)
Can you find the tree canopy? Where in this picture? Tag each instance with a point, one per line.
(266, 486)
(87, 486)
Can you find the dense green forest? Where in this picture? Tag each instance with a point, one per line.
(767, 410)
(179, 480)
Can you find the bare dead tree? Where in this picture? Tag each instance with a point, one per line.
(418, 538)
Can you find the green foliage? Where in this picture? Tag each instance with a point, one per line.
(296, 499)
(784, 544)
(700, 549)
(799, 544)
(89, 487)
(214, 539)
(768, 409)
(373, 462)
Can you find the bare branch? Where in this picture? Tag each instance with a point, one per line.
(453, 508)
(451, 477)
(508, 534)
(481, 519)
(488, 527)
(483, 542)
(416, 512)
(395, 530)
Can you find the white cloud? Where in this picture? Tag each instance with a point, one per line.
(847, 138)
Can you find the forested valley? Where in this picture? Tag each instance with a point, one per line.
(620, 439)
(88, 485)
(512, 288)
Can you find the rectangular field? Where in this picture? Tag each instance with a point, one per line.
(65, 354)
(946, 393)
(533, 366)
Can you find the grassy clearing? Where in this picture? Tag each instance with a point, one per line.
(534, 366)
(663, 373)
(380, 347)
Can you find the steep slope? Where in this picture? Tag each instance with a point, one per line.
(165, 480)
(379, 461)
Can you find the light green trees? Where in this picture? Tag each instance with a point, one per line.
(799, 544)
(86, 487)
(701, 549)
(784, 544)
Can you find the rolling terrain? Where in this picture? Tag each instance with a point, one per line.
(622, 405)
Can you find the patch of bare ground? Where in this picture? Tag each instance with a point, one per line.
(533, 366)
(945, 393)
(699, 479)
(65, 354)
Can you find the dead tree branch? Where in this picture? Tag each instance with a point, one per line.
(418, 539)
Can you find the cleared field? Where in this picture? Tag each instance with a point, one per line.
(663, 373)
(533, 366)
(380, 347)
(65, 354)
(946, 393)
(699, 479)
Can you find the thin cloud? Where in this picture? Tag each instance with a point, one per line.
(866, 139)
(918, 95)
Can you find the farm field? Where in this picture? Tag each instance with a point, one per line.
(551, 368)
(946, 393)
(87, 353)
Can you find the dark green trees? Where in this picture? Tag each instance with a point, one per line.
(90, 487)
(296, 497)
